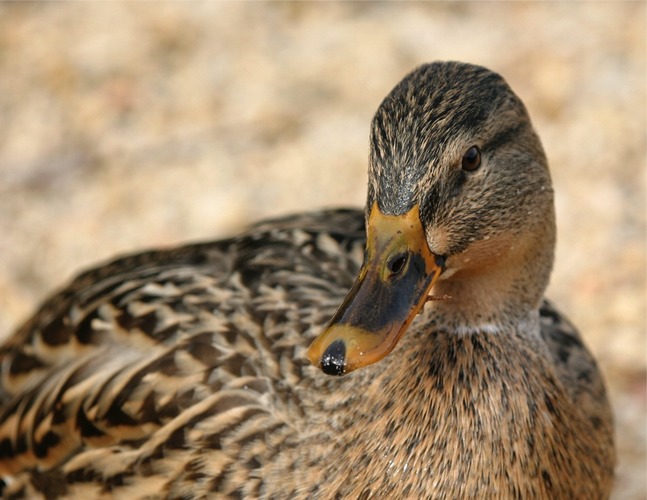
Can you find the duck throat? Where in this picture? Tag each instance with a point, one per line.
(496, 282)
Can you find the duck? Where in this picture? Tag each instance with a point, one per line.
(229, 368)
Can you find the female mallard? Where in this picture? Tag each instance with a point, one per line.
(184, 373)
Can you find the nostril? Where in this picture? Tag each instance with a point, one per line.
(334, 358)
(397, 263)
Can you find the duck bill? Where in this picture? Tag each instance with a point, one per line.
(392, 287)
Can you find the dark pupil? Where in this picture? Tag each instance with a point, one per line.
(472, 158)
(397, 263)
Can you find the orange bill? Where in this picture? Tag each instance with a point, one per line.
(392, 287)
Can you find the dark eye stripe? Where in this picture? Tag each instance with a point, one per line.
(506, 135)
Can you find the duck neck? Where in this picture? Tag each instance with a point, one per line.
(441, 403)
(496, 283)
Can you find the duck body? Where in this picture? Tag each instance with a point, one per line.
(187, 373)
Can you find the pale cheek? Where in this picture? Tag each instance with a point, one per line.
(438, 240)
(480, 256)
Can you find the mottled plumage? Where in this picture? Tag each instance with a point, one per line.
(183, 373)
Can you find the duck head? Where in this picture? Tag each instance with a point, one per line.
(460, 208)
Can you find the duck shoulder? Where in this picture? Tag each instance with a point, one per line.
(169, 365)
(575, 367)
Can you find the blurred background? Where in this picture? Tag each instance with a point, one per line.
(133, 125)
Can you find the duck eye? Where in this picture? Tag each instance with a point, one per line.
(472, 159)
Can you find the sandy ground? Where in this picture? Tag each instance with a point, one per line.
(125, 126)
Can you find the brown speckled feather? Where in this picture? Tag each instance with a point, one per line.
(182, 372)
(198, 349)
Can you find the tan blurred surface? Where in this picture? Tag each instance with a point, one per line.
(124, 126)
